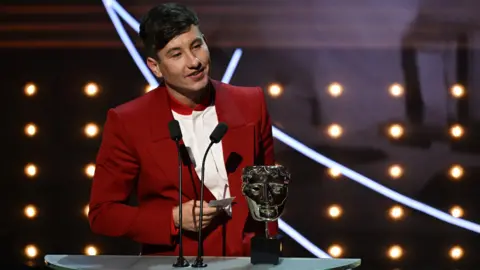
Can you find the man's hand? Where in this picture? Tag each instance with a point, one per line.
(191, 215)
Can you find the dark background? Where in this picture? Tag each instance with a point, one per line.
(426, 46)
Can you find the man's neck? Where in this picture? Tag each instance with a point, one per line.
(191, 99)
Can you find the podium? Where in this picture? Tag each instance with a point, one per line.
(114, 262)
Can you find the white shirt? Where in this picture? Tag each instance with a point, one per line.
(196, 129)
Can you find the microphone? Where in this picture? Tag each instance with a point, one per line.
(215, 137)
(176, 135)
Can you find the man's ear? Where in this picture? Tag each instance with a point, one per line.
(154, 67)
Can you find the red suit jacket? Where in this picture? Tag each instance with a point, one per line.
(136, 153)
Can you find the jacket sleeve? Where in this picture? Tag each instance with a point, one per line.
(117, 167)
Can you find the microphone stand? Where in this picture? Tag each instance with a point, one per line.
(199, 260)
(181, 261)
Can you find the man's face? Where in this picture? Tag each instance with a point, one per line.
(184, 62)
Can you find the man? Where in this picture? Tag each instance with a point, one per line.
(137, 152)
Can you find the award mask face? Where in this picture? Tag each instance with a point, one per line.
(266, 190)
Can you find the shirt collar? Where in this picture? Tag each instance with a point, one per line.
(183, 109)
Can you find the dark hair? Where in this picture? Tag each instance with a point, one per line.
(164, 22)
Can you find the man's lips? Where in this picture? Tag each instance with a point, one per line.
(196, 72)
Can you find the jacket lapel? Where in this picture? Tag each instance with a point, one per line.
(164, 150)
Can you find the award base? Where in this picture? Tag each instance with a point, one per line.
(265, 250)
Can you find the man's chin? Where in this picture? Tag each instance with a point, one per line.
(198, 86)
(189, 86)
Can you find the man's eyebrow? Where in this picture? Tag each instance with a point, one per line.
(173, 49)
(196, 40)
(178, 48)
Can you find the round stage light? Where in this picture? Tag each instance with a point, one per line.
(396, 212)
(335, 251)
(30, 130)
(456, 253)
(456, 172)
(396, 90)
(86, 209)
(395, 131)
(91, 130)
(335, 89)
(31, 251)
(275, 89)
(395, 252)
(91, 250)
(30, 211)
(90, 170)
(335, 211)
(334, 172)
(334, 131)
(31, 170)
(395, 171)
(91, 89)
(457, 211)
(30, 89)
(456, 131)
(457, 91)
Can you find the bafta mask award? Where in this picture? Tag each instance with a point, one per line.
(266, 190)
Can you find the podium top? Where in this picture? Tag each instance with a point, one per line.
(114, 262)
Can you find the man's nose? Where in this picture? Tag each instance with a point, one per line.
(194, 62)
